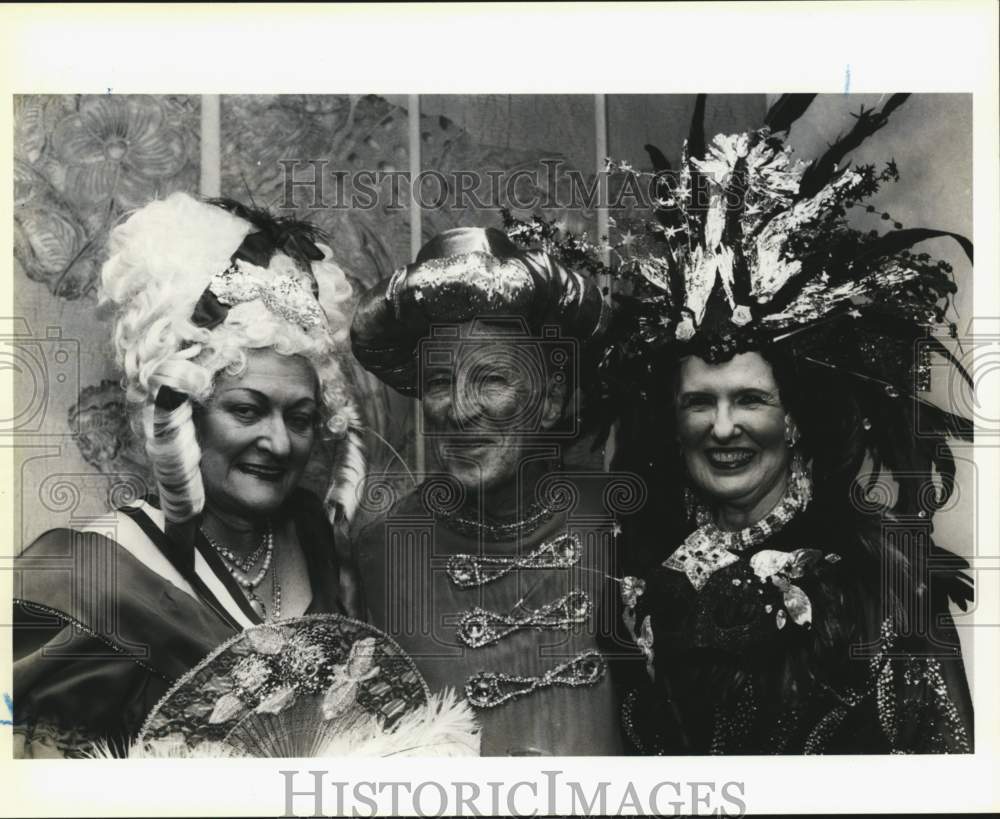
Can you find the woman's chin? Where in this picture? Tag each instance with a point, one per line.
(728, 488)
(258, 501)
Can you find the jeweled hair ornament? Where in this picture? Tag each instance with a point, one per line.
(272, 264)
(461, 275)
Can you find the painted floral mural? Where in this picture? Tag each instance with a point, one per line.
(84, 161)
(80, 162)
(262, 136)
(118, 149)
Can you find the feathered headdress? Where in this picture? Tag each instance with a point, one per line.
(748, 248)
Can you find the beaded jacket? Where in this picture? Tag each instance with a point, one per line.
(731, 671)
(523, 620)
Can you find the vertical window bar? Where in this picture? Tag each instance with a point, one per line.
(211, 145)
(416, 240)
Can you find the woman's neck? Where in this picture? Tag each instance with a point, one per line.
(235, 532)
(736, 516)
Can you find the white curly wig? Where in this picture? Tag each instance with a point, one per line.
(161, 260)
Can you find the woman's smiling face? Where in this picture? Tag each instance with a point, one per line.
(256, 434)
(731, 428)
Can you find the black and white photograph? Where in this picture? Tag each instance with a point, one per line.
(351, 429)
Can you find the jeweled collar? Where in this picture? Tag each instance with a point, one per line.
(708, 548)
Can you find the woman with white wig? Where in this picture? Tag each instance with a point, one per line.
(227, 325)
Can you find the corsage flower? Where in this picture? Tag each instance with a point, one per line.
(781, 568)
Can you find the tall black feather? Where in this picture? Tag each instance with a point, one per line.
(696, 135)
(787, 109)
(696, 150)
(294, 237)
(898, 240)
(821, 171)
(660, 162)
(668, 217)
(736, 195)
(894, 102)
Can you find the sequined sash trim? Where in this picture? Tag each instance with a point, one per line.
(80, 626)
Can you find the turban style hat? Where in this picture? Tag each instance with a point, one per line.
(464, 274)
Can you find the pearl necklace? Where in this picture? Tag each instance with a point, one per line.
(244, 564)
(239, 568)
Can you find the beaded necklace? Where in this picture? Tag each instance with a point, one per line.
(240, 568)
(244, 564)
(494, 530)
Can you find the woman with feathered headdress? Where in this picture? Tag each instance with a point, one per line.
(763, 351)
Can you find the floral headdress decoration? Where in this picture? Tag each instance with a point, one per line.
(273, 264)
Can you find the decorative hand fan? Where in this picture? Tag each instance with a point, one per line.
(318, 685)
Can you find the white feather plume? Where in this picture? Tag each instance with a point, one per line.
(349, 468)
(445, 726)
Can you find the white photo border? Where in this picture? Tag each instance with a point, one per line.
(546, 48)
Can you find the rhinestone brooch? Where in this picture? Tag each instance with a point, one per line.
(488, 689)
(479, 627)
(469, 571)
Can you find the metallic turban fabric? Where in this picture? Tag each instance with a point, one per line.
(461, 275)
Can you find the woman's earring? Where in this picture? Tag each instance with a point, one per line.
(690, 502)
(801, 478)
(694, 509)
(791, 433)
